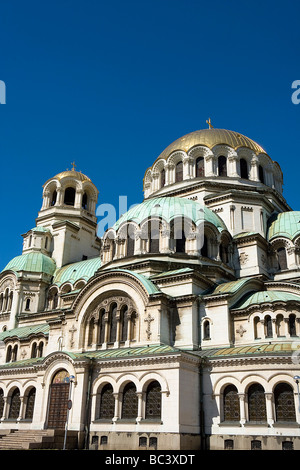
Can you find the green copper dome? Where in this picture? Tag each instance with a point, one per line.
(32, 262)
(75, 271)
(168, 208)
(261, 297)
(285, 224)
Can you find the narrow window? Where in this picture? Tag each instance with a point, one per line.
(261, 174)
(281, 257)
(257, 403)
(143, 442)
(204, 249)
(292, 325)
(30, 404)
(244, 168)
(27, 307)
(255, 445)
(231, 404)
(129, 402)
(107, 402)
(200, 167)
(206, 330)
(130, 245)
(162, 178)
(113, 324)
(53, 199)
(124, 322)
(69, 199)
(153, 401)
(228, 444)
(268, 327)
(284, 403)
(102, 326)
(84, 201)
(179, 172)
(15, 404)
(222, 166)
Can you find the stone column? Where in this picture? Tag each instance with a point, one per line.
(140, 404)
(117, 398)
(254, 176)
(269, 408)
(242, 408)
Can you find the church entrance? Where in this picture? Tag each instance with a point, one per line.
(58, 401)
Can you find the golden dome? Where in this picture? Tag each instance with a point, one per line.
(73, 174)
(210, 138)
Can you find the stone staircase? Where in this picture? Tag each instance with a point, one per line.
(38, 439)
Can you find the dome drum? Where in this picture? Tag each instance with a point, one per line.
(212, 153)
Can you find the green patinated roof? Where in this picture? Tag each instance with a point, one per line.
(266, 297)
(172, 273)
(32, 262)
(230, 287)
(40, 229)
(249, 350)
(149, 286)
(75, 271)
(127, 352)
(168, 208)
(25, 331)
(285, 224)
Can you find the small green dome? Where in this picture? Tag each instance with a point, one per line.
(168, 208)
(32, 262)
(75, 271)
(285, 224)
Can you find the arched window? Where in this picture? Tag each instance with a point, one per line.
(204, 249)
(15, 404)
(129, 402)
(102, 326)
(222, 166)
(153, 401)
(206, 330)
(257, 325)
(179, 172)
(261, 174)
(107, 403)
(292, 324)
(9, 354)
(200, 167)
(268, 327)
(284, 402)
(180, 241)
(69, 199)
(124, 323)
(280, 325)
(257, 403)
(231, 404)
(53, 198)
(281, 257)
(14, 354)
(91, 331)
(27, 306)
(33, 350)
(244, 168)
(133, 325)
(1, 402)
(130, 245)
(84, 201)
(40, 349)
(113, 323)
(153, 236)
(162, 178)
(30, 404)
(1, 302)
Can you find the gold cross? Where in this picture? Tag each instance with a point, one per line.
(73, 163)
(209, 123)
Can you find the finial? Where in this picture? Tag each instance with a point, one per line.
(209, 124)
(74, 166)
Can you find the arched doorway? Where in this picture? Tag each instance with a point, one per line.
(58, 400)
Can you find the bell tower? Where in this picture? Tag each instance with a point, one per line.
(68, 212)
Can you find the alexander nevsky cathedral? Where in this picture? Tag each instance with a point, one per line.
(178, 329)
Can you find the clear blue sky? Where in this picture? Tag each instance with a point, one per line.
(111, 84)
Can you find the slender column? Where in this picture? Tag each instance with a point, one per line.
(269, 408)
(140, 404)
(21, 411)
(242, 408)
(117, 397)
